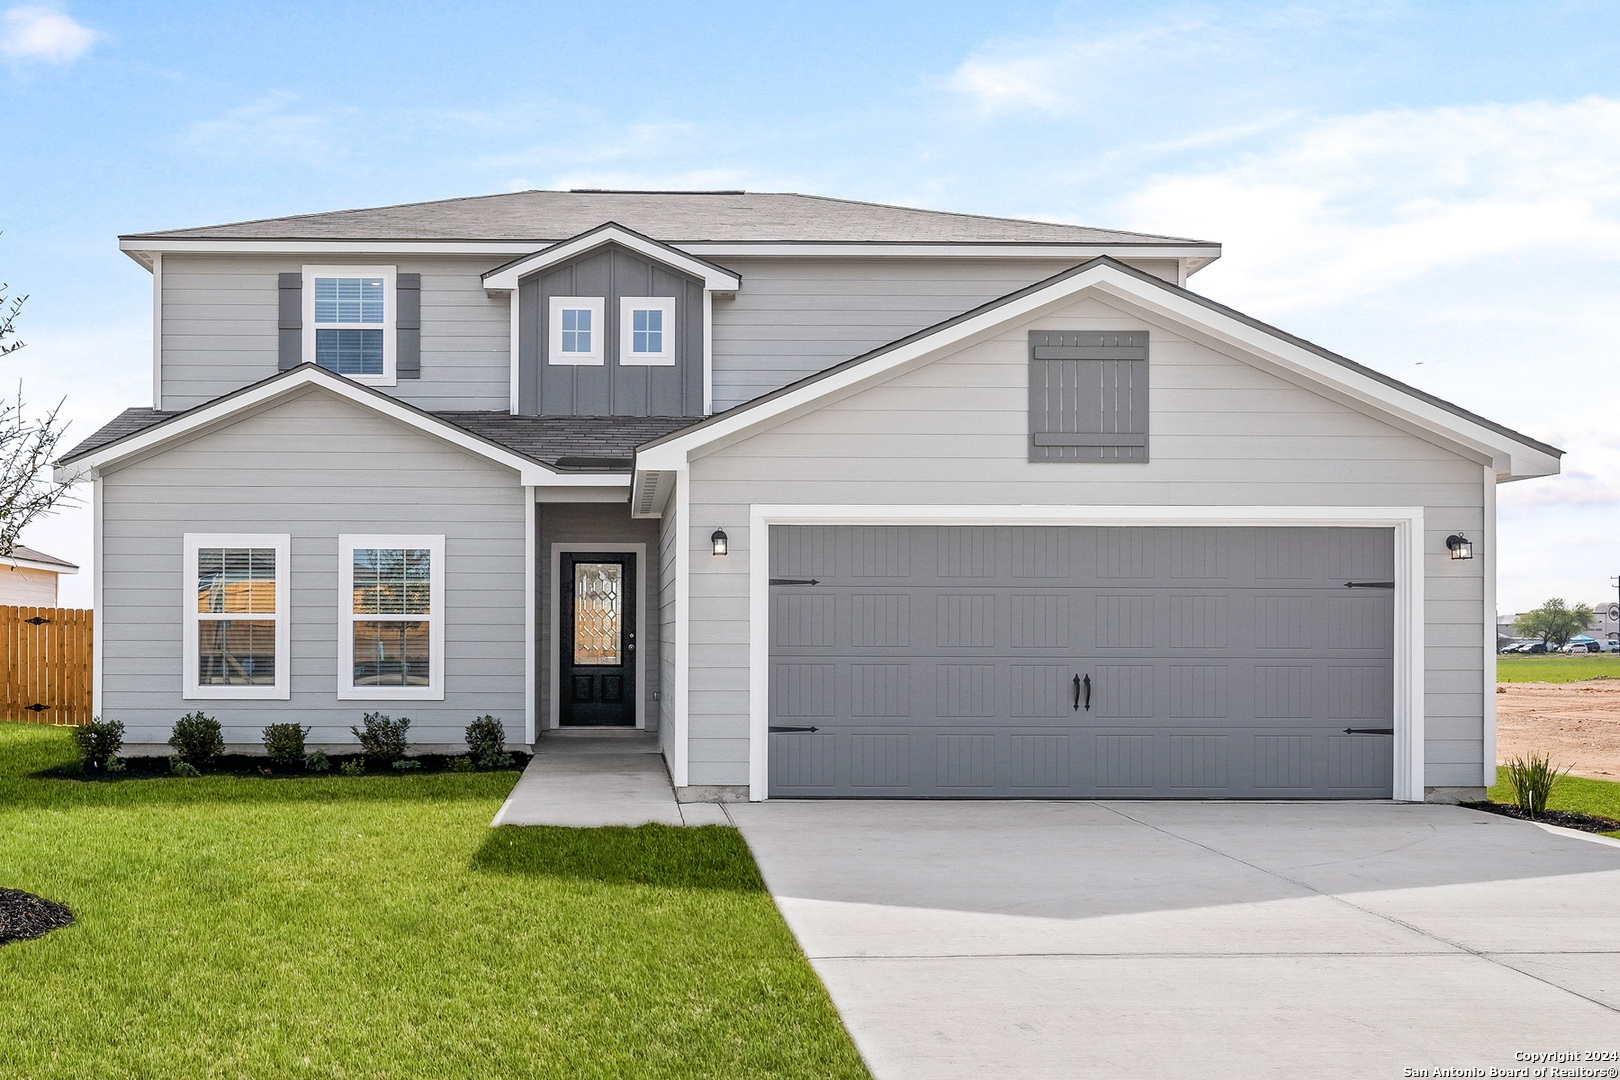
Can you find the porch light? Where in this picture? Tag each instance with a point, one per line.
(1460, 546)
(719, 542)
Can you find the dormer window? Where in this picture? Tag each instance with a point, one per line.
(349, 321)
(647, 331)
(576, 330)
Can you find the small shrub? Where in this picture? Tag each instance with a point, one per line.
(382, 738)
(197, 739)
(179, 766)
(317, 761)
(486, 739)
(115, 766)
(1533, 780)
(99, 742)
(285, 743)
(353, 767)
(406, 763)
(461, 764)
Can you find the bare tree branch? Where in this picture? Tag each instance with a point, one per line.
(26, 448)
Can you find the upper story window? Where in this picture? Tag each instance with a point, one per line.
(576, 330)
(647, 331)
(236, 602)
(349, 321)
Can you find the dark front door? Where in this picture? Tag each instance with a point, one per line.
(596, 683)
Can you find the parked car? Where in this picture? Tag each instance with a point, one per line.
(1587, 646)
(1526, 647)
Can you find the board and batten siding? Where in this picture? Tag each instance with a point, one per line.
(220, 317)
(956, 432)
(795, 317)
(314, 467)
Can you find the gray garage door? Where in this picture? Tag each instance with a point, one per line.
(1111, 662)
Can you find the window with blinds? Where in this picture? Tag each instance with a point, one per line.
(1088, 396)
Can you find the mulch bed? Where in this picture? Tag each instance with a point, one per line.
(249, 766)
(1568, 819)
(24, 915)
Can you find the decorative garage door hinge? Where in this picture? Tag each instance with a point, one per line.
(1369, 584)
(1369, 731)
(794, 581)
(790, 730)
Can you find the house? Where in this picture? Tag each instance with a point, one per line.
(28, 577)
(840, 499)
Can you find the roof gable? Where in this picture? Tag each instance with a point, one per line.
(714, 278)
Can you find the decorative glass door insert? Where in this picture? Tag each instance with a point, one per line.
(598, 614)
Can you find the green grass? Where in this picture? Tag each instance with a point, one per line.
(376, 927)
(1556, 667)
(1600, 797)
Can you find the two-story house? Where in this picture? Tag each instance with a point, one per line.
(841, 499)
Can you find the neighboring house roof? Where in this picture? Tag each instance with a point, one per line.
(545, 450)
(1389, 396)
(562, 443)
(671, 216)
(30, 559)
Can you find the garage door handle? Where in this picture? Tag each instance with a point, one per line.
(1079, 686)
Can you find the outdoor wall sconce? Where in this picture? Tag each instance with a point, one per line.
(719, 542)
(1460, 546)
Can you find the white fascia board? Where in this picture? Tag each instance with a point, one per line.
(30, 564)
(1513, 459)
(714, 279)
(530, 473)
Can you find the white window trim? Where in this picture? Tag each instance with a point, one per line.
(628, 306)
(282, 544)
(596, 305)
(390, 310)
(346, 690)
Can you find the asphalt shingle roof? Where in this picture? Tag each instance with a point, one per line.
(583, 442)
(673, 217)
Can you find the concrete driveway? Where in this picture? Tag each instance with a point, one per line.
(963, 939)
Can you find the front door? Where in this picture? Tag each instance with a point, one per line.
(596, 674)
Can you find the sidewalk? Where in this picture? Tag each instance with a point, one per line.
(587, 781)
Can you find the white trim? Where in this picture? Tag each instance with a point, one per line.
(1197, 255)
(347, 617)
(272, 390)
(713, 277)
(389, 274)
(190, 689)
(680, 768)
(628, 306)
(1510, 456)
(597, 306)
(640, 553)
(708, 352)
(1485, 550)
(1406, 523)
(531, 604)
(98, 576)
(515, 343)
(157, 331)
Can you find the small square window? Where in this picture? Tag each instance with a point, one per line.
(647, 331)
(576, 330)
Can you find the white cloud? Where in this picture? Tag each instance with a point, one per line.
(268, 127)
(42, 33)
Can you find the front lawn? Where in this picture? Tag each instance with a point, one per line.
(1556, 667)
(1597, 797)
(376, 927)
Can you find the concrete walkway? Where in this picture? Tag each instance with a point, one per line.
(591, 780)
(964, 939)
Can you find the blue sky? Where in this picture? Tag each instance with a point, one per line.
(1432, 189)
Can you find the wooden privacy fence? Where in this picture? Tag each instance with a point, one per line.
(47, 664)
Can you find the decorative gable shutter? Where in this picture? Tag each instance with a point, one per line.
(290, 321)
(408, 326)
(1088, 395)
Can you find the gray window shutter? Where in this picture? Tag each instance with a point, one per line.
(408, 326)
(290, 323)
(1088, 395)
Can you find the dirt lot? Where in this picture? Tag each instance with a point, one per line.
(1578, 723)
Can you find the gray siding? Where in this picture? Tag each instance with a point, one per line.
(1224, 432)
(795, 317)
(314, 467)
(220, 328)
(610, 388)
(668, 541)
(600, 523)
